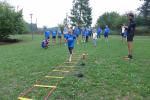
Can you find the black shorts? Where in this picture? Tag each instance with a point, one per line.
(122, 34)
(130, 37)
(77, 35)
(70, 49)
(106, 35)
(54, 37)
(47, 37)
(59, 37)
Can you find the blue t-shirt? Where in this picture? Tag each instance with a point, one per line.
(47, 34)
(87, 33)
(53, 33)
(70, 39)
(106, 31)
(90, 31)
(99, 30)
(59, 33)
(77, 31)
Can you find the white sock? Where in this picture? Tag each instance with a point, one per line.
(70, 57)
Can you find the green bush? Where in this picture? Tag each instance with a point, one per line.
(142, 30)
(11, 22)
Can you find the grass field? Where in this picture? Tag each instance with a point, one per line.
(106, 75)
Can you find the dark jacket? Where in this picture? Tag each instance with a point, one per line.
(131, 27)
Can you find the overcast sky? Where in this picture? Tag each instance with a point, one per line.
(52, 12)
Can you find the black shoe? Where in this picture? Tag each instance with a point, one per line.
(129, 57)
(80, 75)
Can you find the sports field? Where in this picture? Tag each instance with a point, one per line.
(106, 76)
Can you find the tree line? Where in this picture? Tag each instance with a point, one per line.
(12, 22)
(81, 11)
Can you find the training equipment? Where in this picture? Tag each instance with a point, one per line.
(56, 74)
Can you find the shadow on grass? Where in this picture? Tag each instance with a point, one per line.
(9, 41)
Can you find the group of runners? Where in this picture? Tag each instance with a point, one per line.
(71, 34)
(85, 33)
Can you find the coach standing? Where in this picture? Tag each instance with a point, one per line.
(130, 35)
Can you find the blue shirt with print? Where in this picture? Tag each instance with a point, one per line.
(70, 39)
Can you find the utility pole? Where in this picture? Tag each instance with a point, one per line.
(31, 25)
(36, 25)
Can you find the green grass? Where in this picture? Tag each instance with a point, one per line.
(106, 75)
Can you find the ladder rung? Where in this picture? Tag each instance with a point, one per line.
(61, 71)
(22, 98)
(53, 77)
(45, 86)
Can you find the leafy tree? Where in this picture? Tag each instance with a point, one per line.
(81, 13)
(11, 22)
(140, 20)
(113, 20)
(145, 11)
